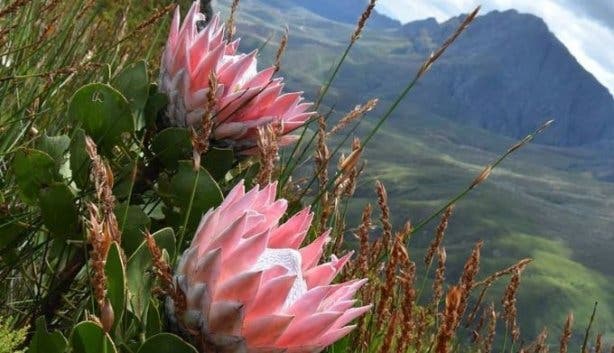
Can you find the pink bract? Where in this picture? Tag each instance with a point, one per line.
(250, 287)
(245, 99)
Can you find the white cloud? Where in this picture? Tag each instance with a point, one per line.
(589, 40)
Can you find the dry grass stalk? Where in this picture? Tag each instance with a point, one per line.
(566, 335)
(435, 55)
(268, 151)
(230, 24)
(467, 280)
(200, 139)
(421, 324)
(541, 345)
(507, 271)
(484, 174)
(102, 177)
(440, 276)
(510, 311)
(362, 21)
(283, 43)
(164, 273)
(382, 201)
(100, 240)
(451, 317)
(349, 170)
(361, 267)
(321, 160)
(353, 115)
(14, 6)
(151, 20)
(492, 328)
(488, 282)
(408, 325)
(476, 333)
(390, 335)
(599, 343)
(439, 234)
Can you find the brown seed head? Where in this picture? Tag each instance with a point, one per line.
(362, 21)
(566, 335)
(439, 234)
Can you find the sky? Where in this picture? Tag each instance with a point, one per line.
(586, 27)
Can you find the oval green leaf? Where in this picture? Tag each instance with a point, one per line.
(116, 282)
(194, 192)
(155, 103)
(138, 272)
(132, 222)
(166, 342)
(218, 161)
(133, 83)
(44, 341)
(58, 210)
(88, 337)
(172, 145)
(103, 113)
(79, 160)
(33, 170)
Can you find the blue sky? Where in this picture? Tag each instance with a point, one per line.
(586, 27)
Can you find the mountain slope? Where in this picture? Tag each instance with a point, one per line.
(510, 57)
(346, 11)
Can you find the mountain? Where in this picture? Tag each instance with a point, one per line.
(550, 201)
(346, 11)
(511, 57)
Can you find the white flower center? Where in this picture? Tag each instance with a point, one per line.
(289, 259)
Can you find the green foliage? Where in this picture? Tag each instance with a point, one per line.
(46, 342)
(34, 170)
(103, 113)
(58, 210)
(11, 340)
(140, 281)
(166, 342)
(115, 271)
(88, 337)
(172, 145)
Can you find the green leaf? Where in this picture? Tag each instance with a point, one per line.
(46, 342)
(166, 342)
(116, 282)
(172, 145)
(54, 146)
(140, 279)
(153, 324)
(11, 232)
(133, 83)
(58, 210)
(33, 170)
(207, 193)
(218, 161)
(88, 337)
(79, 160)
(103, 113)
(155, 103)
(133, 222)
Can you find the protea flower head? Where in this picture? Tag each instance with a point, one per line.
(245, 98)
(249, 287)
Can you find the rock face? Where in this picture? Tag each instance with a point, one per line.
(507, 74)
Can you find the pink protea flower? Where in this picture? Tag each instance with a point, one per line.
(250, 288)
(245, 99)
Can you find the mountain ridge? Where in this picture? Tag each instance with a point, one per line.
(503, 56)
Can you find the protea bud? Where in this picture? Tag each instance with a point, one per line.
(245, 99)
(250, 288)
